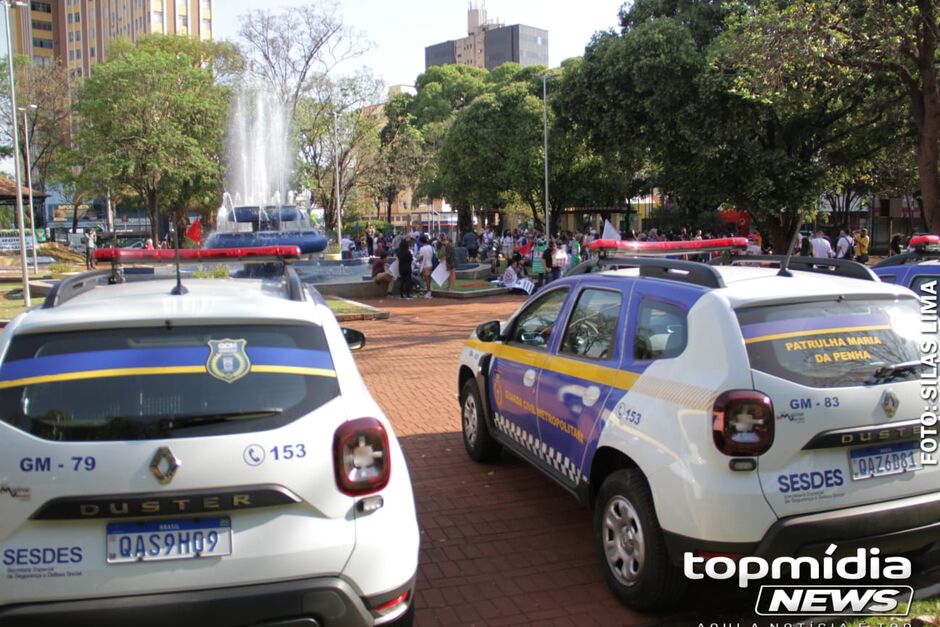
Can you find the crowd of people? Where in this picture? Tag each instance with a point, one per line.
(529, 255)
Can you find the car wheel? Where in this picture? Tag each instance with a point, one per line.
(480, 445)
(631, 547)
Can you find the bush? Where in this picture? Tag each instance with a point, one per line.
(60, 268)
(212, 272)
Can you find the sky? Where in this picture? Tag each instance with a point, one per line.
(399, 30)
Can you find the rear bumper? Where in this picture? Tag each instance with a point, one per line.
(323, 601)
(909, 525)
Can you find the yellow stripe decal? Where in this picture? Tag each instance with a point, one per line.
(135, 372)
(614, 377)
(784, 336)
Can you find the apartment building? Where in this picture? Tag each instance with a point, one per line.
(489, 44)
(78, 32)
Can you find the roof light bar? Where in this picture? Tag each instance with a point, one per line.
(137, 255)
(924, 242)
(660, 249)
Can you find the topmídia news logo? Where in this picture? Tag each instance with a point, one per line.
(826, 595)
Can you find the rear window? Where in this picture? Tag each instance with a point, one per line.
(167, 382)
(831, 344)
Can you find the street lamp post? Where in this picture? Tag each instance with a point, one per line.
(339, 215)
(7, 6)
(29, 183)
(545, 127)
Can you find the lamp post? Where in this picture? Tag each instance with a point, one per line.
(339, 215)
(7, 6)
(29, 183)
(545, 127)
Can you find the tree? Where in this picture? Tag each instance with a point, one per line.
(343, 122)
(782, 48)
(402, 156)
(45, 86)
(152, 121)
(295, 49)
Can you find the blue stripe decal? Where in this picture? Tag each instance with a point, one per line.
(155, 358)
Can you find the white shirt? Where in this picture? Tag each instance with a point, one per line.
(426, 256)
(346, 244)
(821, 247)
(510, 277)
(842, 247)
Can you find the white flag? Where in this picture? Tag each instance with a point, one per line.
(393, 269)
(440, 274)
(610, 232)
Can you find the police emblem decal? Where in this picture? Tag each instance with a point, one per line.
(228, 360)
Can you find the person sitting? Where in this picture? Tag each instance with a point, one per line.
(380, 273)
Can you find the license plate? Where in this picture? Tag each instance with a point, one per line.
(880, 461)
(158, 540)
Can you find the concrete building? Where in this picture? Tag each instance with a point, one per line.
(489, 44)
(78, 32)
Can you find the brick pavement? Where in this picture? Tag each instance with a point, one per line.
(500, 544)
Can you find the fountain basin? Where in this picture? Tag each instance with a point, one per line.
(307, 241)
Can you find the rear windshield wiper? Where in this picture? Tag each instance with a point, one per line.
(886, 373)
(183, 421)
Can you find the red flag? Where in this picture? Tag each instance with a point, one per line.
(194, 232)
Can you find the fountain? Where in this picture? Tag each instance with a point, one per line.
(260, 164)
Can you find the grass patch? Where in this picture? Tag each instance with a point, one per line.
(342, 306)
(11, 301)
(927, 611)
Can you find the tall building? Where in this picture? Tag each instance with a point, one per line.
(489, 44)
(78, 32)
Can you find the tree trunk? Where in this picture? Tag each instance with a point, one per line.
(152, 210)
(929, 135)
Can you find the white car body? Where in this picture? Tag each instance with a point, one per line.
(316, 557)
(656, 419)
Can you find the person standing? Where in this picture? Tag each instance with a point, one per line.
(471, 243)
(370, 239)
(843, 246)
(548, 261)
(862, 243)
(90, 245)
(508, 243)
(450, 258)
(426, 259)
(405, 260)
(822, 249)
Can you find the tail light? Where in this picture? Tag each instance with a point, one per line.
(390, 606)
(743, 423)
(360, 457)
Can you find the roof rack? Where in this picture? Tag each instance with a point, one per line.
(73, 286)
(835, 267)
(691, 272)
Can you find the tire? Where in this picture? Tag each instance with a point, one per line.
(480, 445)
(636, 566)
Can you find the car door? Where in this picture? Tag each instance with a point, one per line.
(576, 378)
(517, 361)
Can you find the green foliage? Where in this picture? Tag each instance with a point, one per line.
(152, 121)
(60, 268)
(212, 272)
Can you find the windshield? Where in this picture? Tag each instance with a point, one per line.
(166, 382)
(832, 344)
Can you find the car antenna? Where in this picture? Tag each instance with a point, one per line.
(784, 265)
(179, 290)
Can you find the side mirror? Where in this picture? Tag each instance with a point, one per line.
(354, 339)
(488, 331)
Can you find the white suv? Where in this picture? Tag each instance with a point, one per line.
(717, 410)
(210, 457)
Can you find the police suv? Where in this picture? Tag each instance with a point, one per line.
(198, 452)
(915, 268)
(747, 409)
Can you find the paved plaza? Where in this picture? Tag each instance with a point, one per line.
(501, 544)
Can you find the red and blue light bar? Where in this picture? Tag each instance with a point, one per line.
(653, 249)
(139, 255)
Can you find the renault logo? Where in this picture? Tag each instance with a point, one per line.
(164, 465)
(889, 403)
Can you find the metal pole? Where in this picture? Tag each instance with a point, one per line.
(545, 126)
(29, 182)
(339, 215)
(27, 301)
